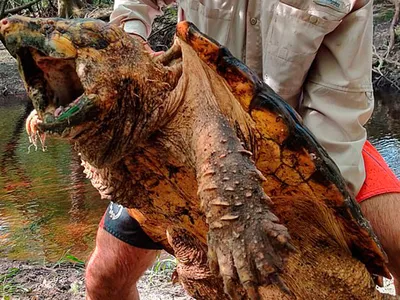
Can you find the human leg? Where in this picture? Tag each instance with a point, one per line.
(383, 212)
(380, 203)
(122, 254)
(114, 268)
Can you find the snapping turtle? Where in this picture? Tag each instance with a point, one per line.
(211, 162)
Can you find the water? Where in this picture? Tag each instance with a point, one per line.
(47, 207)
(384, 129)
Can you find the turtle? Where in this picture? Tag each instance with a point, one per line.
(211, 162)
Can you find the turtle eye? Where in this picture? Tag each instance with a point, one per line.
(47, 29)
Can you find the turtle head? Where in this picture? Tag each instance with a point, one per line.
(46, 36)
(89, 82)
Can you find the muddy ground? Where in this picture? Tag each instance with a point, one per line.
(25, 280)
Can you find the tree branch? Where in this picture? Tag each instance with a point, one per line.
(19, 8)
(393, 24)
(52, 5)
(378, 69)
(3, 5)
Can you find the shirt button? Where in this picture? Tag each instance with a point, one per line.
(253, 21)
(313, 19)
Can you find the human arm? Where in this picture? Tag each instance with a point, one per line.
(136, 16)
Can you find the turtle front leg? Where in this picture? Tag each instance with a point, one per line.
(246, 244)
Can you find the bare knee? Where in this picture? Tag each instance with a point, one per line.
(114, 268)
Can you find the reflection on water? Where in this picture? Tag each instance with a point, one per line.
(384, 129)
(47, 206)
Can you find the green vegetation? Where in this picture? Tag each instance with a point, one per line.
(163, 268)
(75, 288)
(69, 258)
(8, 286)
(384, 15)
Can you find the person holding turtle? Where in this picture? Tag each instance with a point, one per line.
(317, 55)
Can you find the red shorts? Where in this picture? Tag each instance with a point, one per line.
(380, 179)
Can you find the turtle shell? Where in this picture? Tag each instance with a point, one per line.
(289, 156)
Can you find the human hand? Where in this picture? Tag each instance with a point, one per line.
(146, 45)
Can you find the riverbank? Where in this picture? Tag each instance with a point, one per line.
(61, 281)
(65, 280)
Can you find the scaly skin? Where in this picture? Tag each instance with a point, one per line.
(289, 156)
(167, 138)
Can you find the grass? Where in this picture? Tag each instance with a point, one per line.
(18, 281)
(75, 288)
(69, 258)
(8, 287)
(384, 15)
(163, 268)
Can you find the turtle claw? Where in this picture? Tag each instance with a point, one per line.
(248, 256)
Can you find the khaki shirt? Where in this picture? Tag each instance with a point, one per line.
(316, 54)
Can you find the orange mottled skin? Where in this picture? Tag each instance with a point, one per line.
(209, 160)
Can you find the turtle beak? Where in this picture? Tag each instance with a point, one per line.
(47, 52)
(19, 32)
(47, 63)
